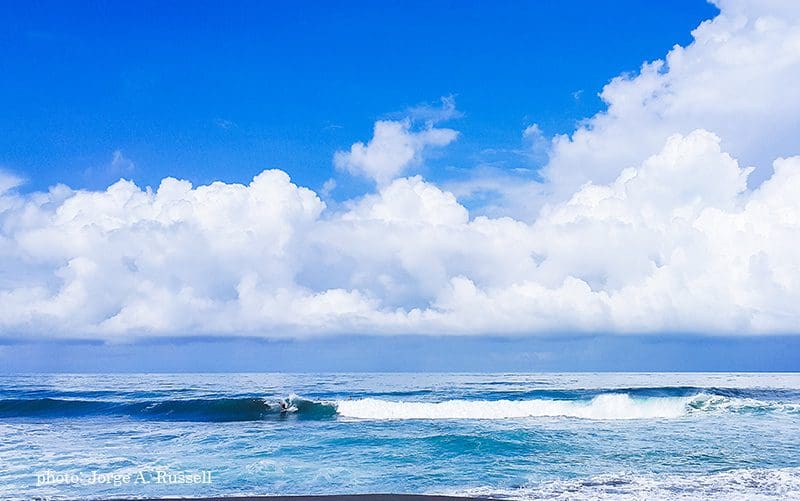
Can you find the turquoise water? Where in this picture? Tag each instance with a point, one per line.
(521, 436)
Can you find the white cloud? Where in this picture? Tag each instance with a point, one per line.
(647, 224)
(119, 166)
(499, 188)
(677, 243)
(394, 148)
(432, 115)
(736, 79)
(8, 181)
(328, 187)
(499, 192)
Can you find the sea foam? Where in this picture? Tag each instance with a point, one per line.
(748, 484)
(609, 406)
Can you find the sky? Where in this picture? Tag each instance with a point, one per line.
(526, 186)
(222, 92)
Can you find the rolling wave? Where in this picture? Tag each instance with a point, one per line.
(604, 405)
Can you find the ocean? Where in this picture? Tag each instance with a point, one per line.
(516, 436)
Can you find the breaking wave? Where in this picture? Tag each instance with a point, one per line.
(611, 406)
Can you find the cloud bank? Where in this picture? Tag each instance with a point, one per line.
(675, 210)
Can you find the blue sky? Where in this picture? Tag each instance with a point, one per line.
(515, 186)
(217, 92)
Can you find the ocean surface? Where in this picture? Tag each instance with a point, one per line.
(517, 436)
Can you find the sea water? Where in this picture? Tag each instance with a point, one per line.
(519, 436)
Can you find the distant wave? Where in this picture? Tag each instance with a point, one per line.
(734, 485)
(584, 404)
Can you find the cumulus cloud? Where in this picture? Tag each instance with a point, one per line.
(394, 147)
(734, 79)
(8, 181)
(537, 144)
(648, 220)
(678, 243)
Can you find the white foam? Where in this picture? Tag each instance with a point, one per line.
(734, 485)
(610, 406)
(716, 403)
